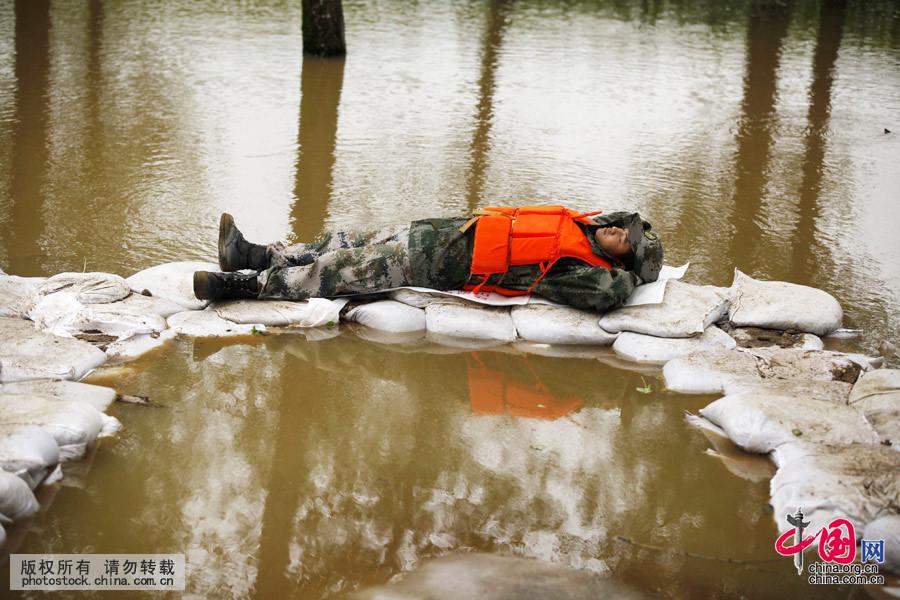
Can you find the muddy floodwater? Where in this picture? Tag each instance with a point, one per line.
(763, 136)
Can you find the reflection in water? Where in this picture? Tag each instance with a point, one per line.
(218, 474)
(285, 484)
(320, 83)
(30, 138)
(809, 255)
(766, 30)
(497, 392)
(324, 466)
(498, 16)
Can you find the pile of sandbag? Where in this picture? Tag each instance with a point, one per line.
(131, 316)
(835, 452)
(827, 419)
(859, 482)
(446, 319)
(44, 423)
(683, 322)
(27, 353)
(122, 319)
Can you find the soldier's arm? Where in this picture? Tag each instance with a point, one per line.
(591, 288)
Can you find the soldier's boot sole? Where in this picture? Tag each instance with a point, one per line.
(225, 286)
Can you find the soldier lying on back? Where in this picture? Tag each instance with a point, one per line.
(592, 261)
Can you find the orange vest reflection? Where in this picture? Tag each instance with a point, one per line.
(493, 392)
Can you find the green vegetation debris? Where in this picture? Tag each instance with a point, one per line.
(646, 388)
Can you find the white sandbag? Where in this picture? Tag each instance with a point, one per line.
(812, 342)
(98, 396)
(136, 346)
(172, 281)
(709, 372)
(882, 411)
(16, 499)
(886, 528)
(782, 305)
(855, 481)
(611, 359)
(88, 288)
(73, 425)
(62, 314)
(16, 297)
(208, 323)
(26, 353)
(550, 324)
(835, 392)
(867, 363)
(743, 464)
(109, 427)
(872, 383)
(468, 321)
(28, 452)
(686, 310)
(387, 315)
(762, 423)
(149, 305)
(877, 394)
(655, 350)
(419, 299)
(315, 312)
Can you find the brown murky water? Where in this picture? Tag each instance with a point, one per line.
(751, 134)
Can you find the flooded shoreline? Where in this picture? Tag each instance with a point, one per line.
(752, 135)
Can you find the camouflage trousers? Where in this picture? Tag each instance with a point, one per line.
(337, 264)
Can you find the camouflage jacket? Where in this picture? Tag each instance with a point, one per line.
(440, 258)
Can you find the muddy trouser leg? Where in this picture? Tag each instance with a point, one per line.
(338, 264)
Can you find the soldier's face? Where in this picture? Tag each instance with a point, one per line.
(613, 240)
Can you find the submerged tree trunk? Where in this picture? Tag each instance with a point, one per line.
(323, 28)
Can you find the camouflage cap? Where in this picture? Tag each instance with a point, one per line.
(648, 253)
(645, 244)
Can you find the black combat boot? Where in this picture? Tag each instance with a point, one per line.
(236, 253)
(225, 286)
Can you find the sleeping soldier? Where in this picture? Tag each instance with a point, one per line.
(590, 261)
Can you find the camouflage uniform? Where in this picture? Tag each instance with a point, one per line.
(338, 264)
(433, 253)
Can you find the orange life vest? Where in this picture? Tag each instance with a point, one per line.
(530, 235)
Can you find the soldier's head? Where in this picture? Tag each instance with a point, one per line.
(629, 239)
